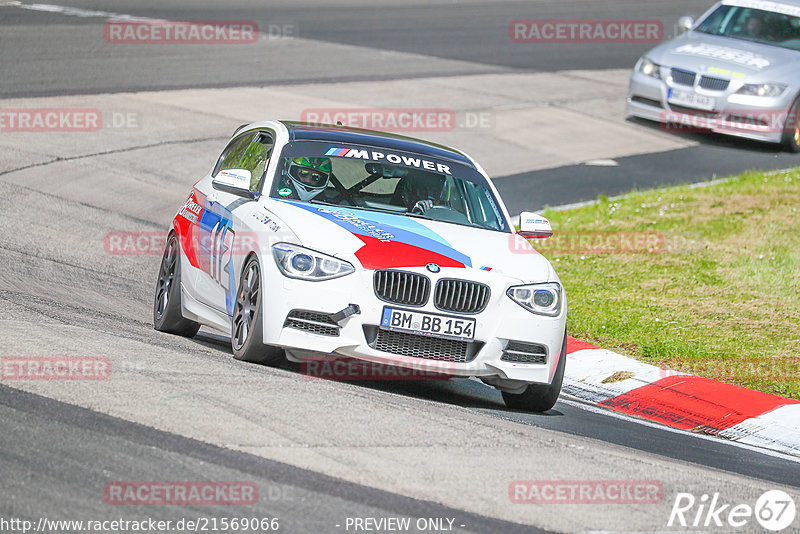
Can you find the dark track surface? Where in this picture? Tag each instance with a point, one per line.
(58, 54)
(64, 479)
(718, 156)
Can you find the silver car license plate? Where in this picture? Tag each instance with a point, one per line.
(691, 100)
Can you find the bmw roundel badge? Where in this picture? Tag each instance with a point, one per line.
(432, 267)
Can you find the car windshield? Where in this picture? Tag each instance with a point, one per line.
(391, 182)
(757, 25)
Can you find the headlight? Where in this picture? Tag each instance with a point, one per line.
(544, 299)
(298, 262)
(648, 68)
(762, 89)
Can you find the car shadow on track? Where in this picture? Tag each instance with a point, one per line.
(462, 392)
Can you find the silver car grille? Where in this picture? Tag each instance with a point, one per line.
(314, 322)
(401, 287)
(683, 77)
(520, 352)
(461, 296)
(714, 84)
(425, 347)
(686, 77)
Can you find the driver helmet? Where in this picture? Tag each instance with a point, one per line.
(310, 176)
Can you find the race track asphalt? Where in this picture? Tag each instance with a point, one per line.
(177, 409)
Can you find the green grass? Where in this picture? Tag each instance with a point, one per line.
(713, 287)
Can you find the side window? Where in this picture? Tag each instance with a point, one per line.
(230, 157)
(250, 151)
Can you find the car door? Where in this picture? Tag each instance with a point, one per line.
(228, 215)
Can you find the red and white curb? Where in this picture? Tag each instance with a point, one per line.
(681, 401)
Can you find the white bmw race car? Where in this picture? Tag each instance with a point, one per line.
(325, 242)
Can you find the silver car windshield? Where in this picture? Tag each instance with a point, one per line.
(757, 25)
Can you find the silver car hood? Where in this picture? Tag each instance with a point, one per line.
(699, 52)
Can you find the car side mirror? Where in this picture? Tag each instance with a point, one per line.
(685, 23)
(236, 181)
(534, 226)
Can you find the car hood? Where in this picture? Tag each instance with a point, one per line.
(700, 52)
(378, 240)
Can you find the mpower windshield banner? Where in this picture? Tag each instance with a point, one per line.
(391, 156)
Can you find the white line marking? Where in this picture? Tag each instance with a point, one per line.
(601, 163)
(74, 11)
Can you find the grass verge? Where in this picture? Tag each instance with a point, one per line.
(704, 280)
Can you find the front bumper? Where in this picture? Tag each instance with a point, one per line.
(500, 322)
(758, 118)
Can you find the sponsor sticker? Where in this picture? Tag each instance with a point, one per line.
(191, 210)
(374, 155)
(361, 224)
(724, 53)
(264, 218)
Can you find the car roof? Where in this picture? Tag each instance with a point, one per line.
(303, 131)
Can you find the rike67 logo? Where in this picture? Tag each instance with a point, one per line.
(774, 510)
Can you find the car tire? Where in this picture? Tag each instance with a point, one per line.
(540, 397)
(247, 323)
(167, 315)
(791, 130)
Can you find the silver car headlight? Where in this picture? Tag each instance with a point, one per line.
(295, 261)
(762, 89)
(543, 299)
(648, 68)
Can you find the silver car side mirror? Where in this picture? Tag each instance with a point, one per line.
(685, 23)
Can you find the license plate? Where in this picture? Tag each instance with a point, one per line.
(691, 100)
(428, 324)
